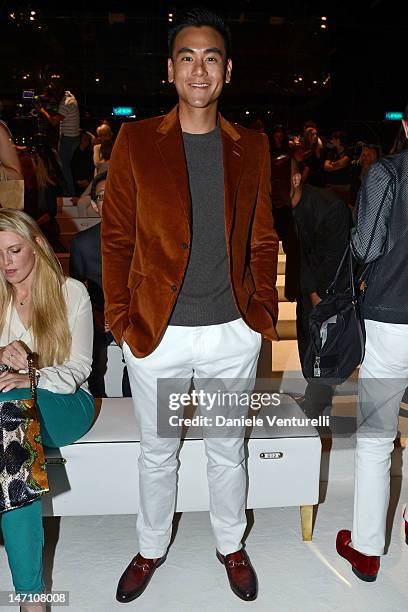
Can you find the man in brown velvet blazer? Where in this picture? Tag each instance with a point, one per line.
(189, 271)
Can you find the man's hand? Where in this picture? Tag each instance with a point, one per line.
(315, 298)
(13, 380)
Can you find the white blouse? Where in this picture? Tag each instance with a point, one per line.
(72, 374)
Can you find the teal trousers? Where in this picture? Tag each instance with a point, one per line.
(64, 419)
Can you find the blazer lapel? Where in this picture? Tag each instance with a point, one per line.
(171, 147)
(233, 158)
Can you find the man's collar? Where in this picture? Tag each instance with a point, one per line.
(171, 120)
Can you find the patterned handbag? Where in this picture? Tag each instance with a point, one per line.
(23, 477)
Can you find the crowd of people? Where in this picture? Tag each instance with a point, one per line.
(181, 273)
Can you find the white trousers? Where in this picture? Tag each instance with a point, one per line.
(227, 351)
(382, 382)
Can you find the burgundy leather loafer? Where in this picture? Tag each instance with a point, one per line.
(136, 577)
(365, 567)
(406, 531)
(241, 574)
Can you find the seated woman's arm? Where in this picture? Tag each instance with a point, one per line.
(69, 376)
(8, 155)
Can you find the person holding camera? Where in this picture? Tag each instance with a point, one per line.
(59, 331)
(68, 120)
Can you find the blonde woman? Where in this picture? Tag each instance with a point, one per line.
(44, 312)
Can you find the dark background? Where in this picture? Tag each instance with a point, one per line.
(351, 72)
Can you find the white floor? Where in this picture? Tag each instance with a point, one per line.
(89, 554)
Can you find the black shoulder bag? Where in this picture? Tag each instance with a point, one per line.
(337, 335)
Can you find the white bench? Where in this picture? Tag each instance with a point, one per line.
(98, 474)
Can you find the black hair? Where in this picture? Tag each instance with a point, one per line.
(342, 136)
(98, 178)
(199, 17)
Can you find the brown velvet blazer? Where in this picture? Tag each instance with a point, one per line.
(146, 229)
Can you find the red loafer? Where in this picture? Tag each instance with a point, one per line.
(241, 574)
(406, 531)
(136, 577)
(365, 567)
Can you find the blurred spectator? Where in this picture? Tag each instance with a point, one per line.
(82, 165)
(257, 125)
(368, 155)
(323, 222)
(11, 183)
(278, 142)
(104, 134)
(106, 151)
(67, 118)
(86, 266)
(105, 155)
(312, 158)
(8, 155)
(337, 167)
(43, 179)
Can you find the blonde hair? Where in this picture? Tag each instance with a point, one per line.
(49, 320)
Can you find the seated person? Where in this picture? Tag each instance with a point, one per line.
(59, 330)
(86, 266)
(82, 166)
(104, 134)
(103, 165)
(9, 162)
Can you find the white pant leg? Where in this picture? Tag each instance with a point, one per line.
(158, 456)
(382, 381)
(229, 353)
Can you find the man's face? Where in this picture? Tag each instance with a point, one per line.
(199, 67)
(99, 196)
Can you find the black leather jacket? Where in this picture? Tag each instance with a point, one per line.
(323, 225)
(380, 237)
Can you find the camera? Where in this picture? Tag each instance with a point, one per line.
(28, 94)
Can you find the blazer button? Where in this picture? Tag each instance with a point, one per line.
(173, 287)
(184, 245)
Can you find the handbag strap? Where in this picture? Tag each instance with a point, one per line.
(352, 283)
(31, 374)
(340, 267)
